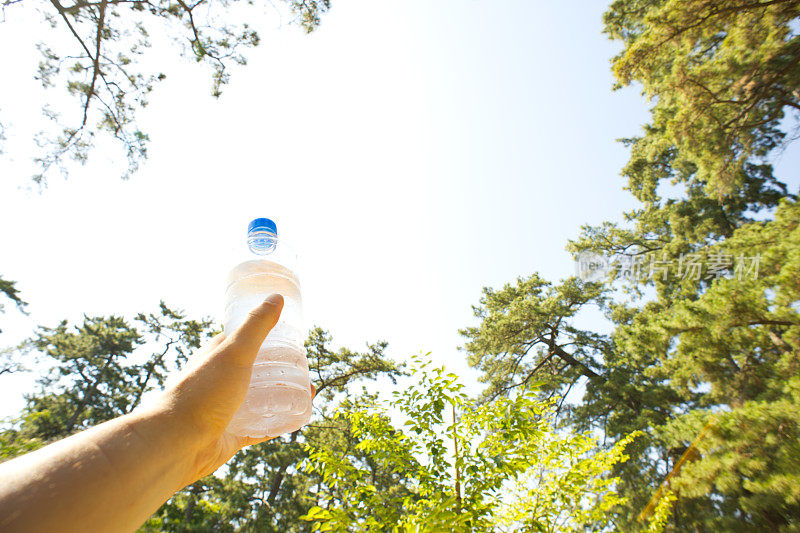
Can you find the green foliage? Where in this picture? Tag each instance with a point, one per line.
(8, 289)
(526, 333)
(9, 362)
(211, 504)
(332, 371)
(568, 489)
(442, 472)
(99, 370)
(722, 73)
(658, 521)
(725, 345)
(103, 68)
(711, 355)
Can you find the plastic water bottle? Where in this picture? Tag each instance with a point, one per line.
(279, 398)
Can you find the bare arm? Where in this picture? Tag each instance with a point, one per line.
(114, 476)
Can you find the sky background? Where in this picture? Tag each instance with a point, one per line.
(413, 152)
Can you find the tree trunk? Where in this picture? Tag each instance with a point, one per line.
(279, 475)
(190, 505)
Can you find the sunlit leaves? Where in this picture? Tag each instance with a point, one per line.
(496, 466)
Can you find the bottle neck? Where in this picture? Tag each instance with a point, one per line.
(261, 242)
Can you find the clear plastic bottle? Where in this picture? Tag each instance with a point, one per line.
(279, 398)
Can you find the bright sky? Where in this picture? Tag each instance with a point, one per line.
(412, 151)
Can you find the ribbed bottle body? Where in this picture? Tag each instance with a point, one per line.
(279, 397)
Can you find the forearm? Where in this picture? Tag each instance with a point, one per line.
(107, 478)
(112, 477)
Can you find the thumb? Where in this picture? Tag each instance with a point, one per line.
(249, 336)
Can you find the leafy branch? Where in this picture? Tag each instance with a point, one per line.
(103, 69)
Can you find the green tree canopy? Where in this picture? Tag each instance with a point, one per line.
(722, 72)
(701, 293)
(99, 370)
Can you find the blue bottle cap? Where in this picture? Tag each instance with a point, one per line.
(262, 224)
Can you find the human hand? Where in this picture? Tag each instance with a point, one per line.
(213, 387)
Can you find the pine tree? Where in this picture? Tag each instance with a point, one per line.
(703, 355)
(102, 69)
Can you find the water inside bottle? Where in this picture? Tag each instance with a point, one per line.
(279, 396)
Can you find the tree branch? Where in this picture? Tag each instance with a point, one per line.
(279, 475)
